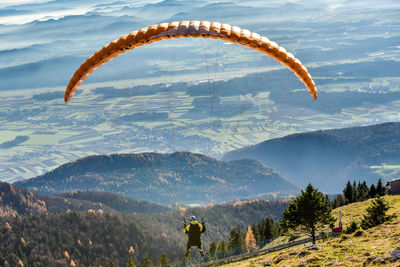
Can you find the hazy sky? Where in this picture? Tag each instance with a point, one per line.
(26, 14)
(5, 3)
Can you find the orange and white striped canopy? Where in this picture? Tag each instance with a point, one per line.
(203, 29)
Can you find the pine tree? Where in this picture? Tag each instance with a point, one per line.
(376, 213)
(309, 212)
(236, 243)
(362, 191)
(380, 189)
(372, 191)
(335, 204)
(268, 229)
(164, 261)
(131, 262)
(354, 192)
(147, 262)
(348, 192)
(250, 240)
(338, 201)
(221, 249)
(212, 249)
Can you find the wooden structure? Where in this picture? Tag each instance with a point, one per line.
(340, 228)
(393, 187)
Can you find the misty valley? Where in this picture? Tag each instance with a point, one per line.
(199, 133)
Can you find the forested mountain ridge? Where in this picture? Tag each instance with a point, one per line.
(116, 202)
(99, 234)
(17, 201)
(164, 178)
(88, 239)
(14, 201)
(328, 158)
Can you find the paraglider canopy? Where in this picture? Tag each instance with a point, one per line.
(203, 29)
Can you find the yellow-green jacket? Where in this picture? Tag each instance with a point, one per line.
(194, 230)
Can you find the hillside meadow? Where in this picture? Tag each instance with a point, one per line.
(366, 248)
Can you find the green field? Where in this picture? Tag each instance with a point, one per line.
(91, 124)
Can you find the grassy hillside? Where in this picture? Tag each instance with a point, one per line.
(371, 247)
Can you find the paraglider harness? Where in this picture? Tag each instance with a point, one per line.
(194, 230)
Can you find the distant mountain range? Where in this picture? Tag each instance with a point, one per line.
(329, 158)
(180, 177)
(325, 158)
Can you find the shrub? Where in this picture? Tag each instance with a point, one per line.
(376, 214)
(353, 226)
(324, 236)
(293, 237)
(359, 233)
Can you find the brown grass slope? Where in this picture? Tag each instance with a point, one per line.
(371, 248)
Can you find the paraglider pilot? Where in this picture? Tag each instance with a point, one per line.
(194, 230)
